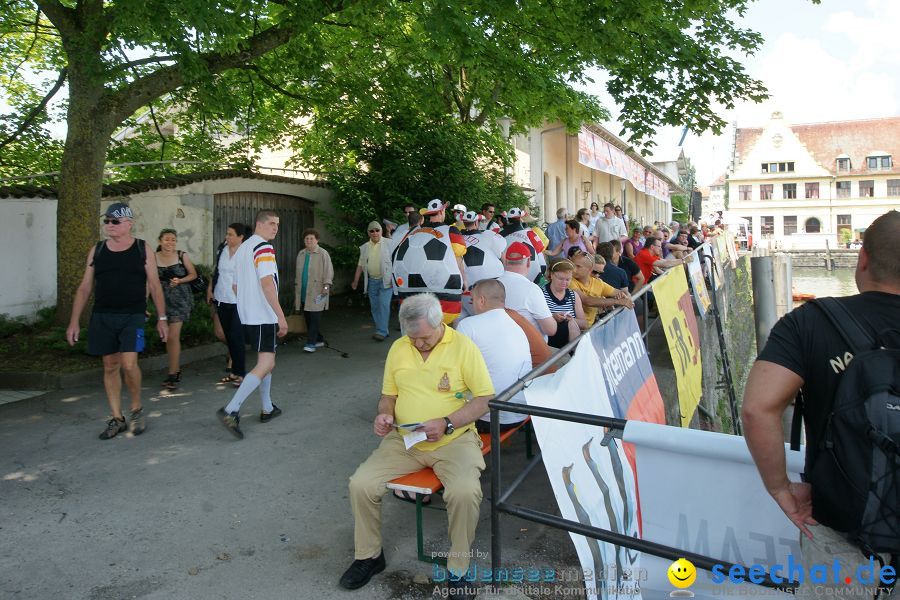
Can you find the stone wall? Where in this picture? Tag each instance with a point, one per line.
(843, 258)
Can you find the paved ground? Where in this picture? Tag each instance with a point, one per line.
(187, 511)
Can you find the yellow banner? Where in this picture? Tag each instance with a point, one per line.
(676, 313)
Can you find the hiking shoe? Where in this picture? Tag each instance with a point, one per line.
(113, 428)
(232, 422)
(137, 424)
(309, 347)
(265, 417)
(361, 571)
(320, 344)
(378, 337)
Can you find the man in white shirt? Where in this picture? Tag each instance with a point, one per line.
(523, 296)
(256, 289)
(609, 227)
(502, 343)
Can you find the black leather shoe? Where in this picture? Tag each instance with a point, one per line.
(462, 590)
(361, 571)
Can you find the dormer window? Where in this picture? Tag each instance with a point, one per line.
(878, 160)
(843, 162)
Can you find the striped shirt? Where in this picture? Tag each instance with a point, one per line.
(565, 306)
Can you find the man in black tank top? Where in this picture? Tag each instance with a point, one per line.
(120, 271)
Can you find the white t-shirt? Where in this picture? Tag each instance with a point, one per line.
(506, 353)
(610, 229)
(254, 260)
(223, 291)
(526, 298)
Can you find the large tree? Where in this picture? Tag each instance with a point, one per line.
(241, 62)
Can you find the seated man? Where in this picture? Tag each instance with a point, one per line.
(611, 273)
(523, 296)
(503, 345)
(651, 262)
(594, 293)
(426, 376)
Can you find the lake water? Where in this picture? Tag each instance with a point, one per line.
(819, 281)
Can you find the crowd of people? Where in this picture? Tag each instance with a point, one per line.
(483, 298)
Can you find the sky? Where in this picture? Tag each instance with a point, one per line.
(838, 60)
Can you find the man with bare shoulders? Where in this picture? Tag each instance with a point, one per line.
(120, 271)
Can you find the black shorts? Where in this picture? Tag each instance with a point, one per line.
(110, 333)
(262, 338)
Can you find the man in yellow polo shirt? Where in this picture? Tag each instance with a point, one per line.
(427, 374)
(594, 293)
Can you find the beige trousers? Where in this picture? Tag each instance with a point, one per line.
(827, 546)
(457, 464)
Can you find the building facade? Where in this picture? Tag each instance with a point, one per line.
(802, 186)
(563, 170)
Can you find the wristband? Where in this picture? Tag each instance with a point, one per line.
(163, 318)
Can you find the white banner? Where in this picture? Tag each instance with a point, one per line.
(591, 473)
(596, 153)
(701, 492)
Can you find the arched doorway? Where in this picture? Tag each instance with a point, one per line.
(812, 225)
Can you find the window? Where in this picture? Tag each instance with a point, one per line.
(843, 219)
(767, 225)
(843, 164)
(749, 223)
(789, 191)
(745, 192)
(812, 190)
(843, 189)
(779, 167)
(790, 225)
(878, 162)
(812, 225)
(867, 188)
(893, 187)
(765, 191)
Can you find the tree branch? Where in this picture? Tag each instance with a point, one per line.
(62, 17)
(479, 120)
(128, 99)
(37, 20)
(268, 82)
(148, 60)
(27, 121)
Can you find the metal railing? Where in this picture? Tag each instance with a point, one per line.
(499, 497)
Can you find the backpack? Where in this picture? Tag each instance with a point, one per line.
(857, 463)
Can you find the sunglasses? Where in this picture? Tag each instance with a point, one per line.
(374, 231)
(111, 221)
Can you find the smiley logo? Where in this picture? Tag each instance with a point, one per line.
(682, 573)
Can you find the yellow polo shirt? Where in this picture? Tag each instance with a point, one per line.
(435, 388)
(596, 288)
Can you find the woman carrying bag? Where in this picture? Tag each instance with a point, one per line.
(176, 271)
(315, 275)
(221, 294)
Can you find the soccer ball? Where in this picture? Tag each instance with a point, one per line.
(424, 263)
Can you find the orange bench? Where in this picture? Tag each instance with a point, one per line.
(424, 482)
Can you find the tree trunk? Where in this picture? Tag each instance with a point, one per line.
(80, 187)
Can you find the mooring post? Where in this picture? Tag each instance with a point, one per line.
(764, 314)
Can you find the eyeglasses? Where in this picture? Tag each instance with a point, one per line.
(374, 231)
(111, 221)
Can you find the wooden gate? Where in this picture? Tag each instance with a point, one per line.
(295, 214)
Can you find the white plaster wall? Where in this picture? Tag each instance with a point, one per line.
(189, 210)
(29, 245)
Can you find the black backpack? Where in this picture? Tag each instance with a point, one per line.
(855, 474)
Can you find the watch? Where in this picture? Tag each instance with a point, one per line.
(163, 318)
(450, 428)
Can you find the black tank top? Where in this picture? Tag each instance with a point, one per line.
(120, 280)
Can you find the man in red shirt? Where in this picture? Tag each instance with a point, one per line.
(650, 259)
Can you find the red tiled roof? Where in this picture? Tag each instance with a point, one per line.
(826, 141)
(124, 188)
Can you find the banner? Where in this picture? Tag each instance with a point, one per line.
(701, 492)
(676, 313)
(591, 473)
(698, 283)
(596, 153)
